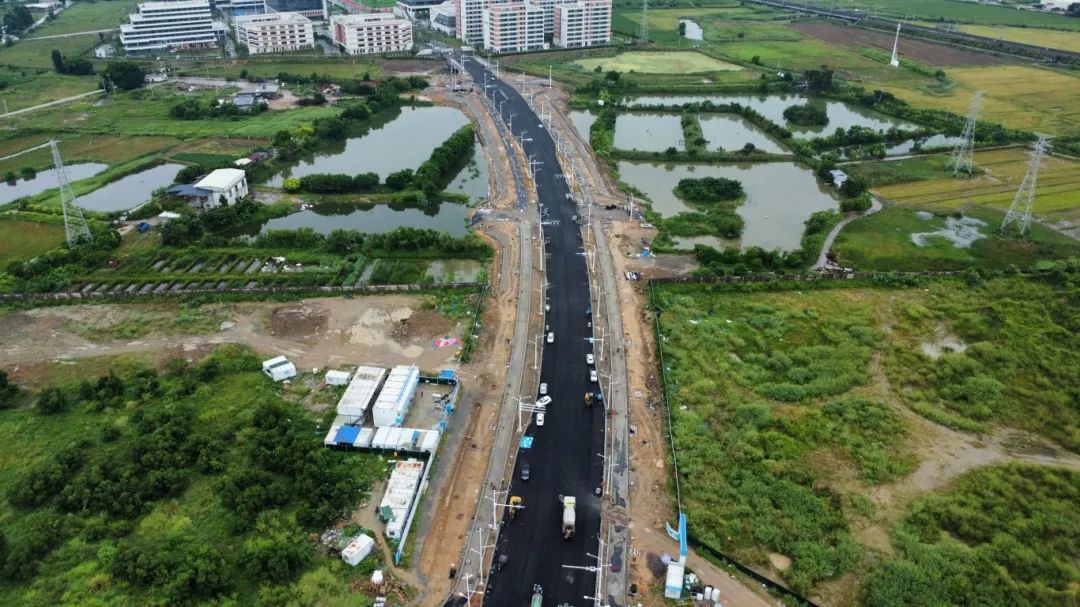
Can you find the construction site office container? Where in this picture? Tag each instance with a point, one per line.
(329, 440)
(365, 437)
(361, 392)
(431, 441)
(396, 394)
(380, 439)
(393, 438)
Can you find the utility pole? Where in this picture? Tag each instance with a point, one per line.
(549, 76)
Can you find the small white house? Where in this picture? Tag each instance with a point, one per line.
(230, 183)
(279, 369)
(357, 549)
(838, 177)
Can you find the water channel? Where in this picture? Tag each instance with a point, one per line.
(402, 143)
(325, 217)
(779, 198)
(472, 180)
(733, 132)
(130, 191)
(47, 179)
(841, 114)
(693, 30)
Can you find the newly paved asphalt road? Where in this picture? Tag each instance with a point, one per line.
(564, 456)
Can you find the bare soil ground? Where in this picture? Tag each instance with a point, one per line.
(937, 55)
(320, 332)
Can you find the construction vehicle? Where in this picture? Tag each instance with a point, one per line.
(569, 516)
(514, 506)
(538, 596)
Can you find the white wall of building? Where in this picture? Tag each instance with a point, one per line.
(367, 33)
(511, 27)
(275, 33)
(169, 26)
(581, 23)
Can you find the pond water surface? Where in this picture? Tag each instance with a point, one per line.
(648, 132)
(473, 178)
(841, 114)
(403, 143)
(733, 132)
(693, 30)
(582, 122)
(780, 196)
(47, 179)
(936, 141)
(131, 191)
(376, 219)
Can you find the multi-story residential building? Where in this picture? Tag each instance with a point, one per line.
(371, 33)
(582, 23)
(513, 26)
(470, 20)
(443, 18)
(180, 24)
(275, 33)
(312, 9)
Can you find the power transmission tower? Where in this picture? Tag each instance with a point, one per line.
(74, 223)
(643, 35)
(961, 156)
(1019, 214)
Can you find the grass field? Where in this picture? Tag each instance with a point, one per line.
(791, 408)
(883, 241)
(1057, 197)
(964, 12)
(37, 53)
(1068, 41)
(88, 17)
(345, 68)
(88, 148)
(140, 113)
(1016, 96)
(29, 88)
(25, 239)
(659, 63)
(801, 55)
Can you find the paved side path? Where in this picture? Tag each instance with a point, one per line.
(72, 34)
(825, 246)
(57, 102)
(617, 515)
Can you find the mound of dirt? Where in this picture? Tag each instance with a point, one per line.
(423, 324)
(298, 321)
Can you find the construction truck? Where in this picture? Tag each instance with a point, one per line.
(538, 596)
(569, 516)
(515, 505)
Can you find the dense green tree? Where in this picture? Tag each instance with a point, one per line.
(17, 19)
(126, 75)
(52, 401)
(57, 61)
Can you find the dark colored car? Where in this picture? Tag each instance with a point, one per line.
(525, 471)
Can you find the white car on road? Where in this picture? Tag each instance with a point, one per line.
(592, 375)
(551, 337)
(589, 359)
(539, 419)
(543, 388)
(543, 401)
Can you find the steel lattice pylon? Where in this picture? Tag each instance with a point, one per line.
(961, 156)
(643, 33)
(1019, 215)
(75, 226)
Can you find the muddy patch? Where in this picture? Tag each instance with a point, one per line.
(779, 561)
(962, 232)
(304, 321)
(943, 343)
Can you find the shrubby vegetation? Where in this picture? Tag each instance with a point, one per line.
(775, 407)
(197, 109)
(54, 269)
(806, 115)
(1003, 536)
(197, 484)
(708, 189)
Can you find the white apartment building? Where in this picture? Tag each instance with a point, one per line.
(180, 24)
(371, 33)
(582, 23)
(275, 33)
(470, 20)
(511, 27)
(443, 18)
